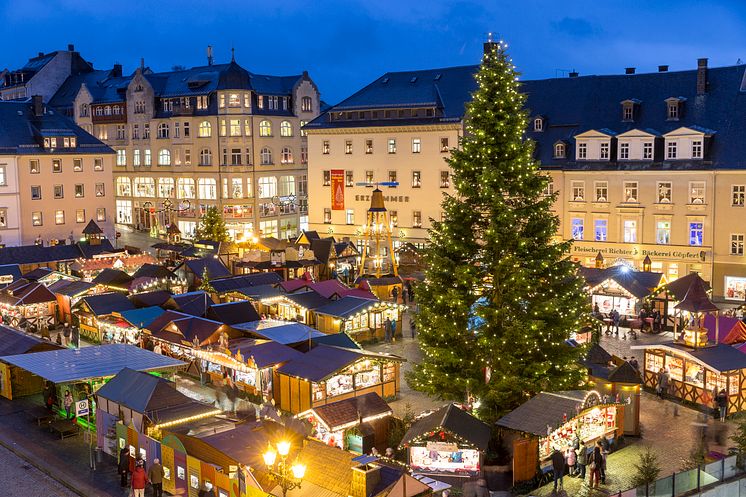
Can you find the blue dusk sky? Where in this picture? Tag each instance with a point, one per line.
(345, 44)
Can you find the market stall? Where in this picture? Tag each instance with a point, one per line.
(326, 374)
(127, 326)
(295, 306)
(28, 304)
(552, 420)
(449, 441)
(362, 318)
(91, 310)
(68, 294)
(620, 288)
(15, 382)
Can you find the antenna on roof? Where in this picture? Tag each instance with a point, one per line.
(209, 55)
(233, 54)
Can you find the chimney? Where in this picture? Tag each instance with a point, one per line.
(70, 47)
(41, 54)
(38, 105)
(116, 71)
(662, 68)
(701, 76)
(209, 55)
(629, 70)
(142, 63)
(573, 74)
(364, 480)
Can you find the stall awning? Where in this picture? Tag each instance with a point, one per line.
(141, 318)
(348, 306)
(542, 410)
(638, 283)
(324, 361)
(98, 361)
(349, 412)
(13, 341)
(720, 358)
(265, 354)
(454, 420)
(696, 298)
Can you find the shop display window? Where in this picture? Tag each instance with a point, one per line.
(389, 372)
(694, 374)
(246, 378)
(367, 378)
(339, 385)
(716, 381)
(444, 457)
(214, 368)
(676, 367)
(733, 387)
(653, 362)
(318, 391)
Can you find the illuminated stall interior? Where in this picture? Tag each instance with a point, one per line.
(91, 310)
(619, 287)
(28, 303)
(326, 374)
(362, 318)
(295, 306)
(449, 440)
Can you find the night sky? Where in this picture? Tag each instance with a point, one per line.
(344, 44)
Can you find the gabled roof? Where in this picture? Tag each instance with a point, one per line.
(307, 300)
(265, 353)
(346, 306)
(454, 420)
(107, 303)
(147, 299)
(341, 339)
(194, 303)
(678, 287)
(30, 293)
(215, 268)
(233, 312)
(330, 288)
(92, 228)
(194, 327)
(350, 411)
(542, 410)
(640, 284)
(245, 280)
(113, 278)
(696, 298)
(720, 358)
(625, 373)
(70, 288)
(280, 331)
(13, 342)
(322, 249)
(142, 317)
(161, 321)
(323, 361)
(148, 270)
(12, 270)
(34, 254)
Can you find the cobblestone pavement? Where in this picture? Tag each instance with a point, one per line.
(20, 479)
(140, 239)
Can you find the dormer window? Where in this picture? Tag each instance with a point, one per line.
(674, 108)
(539, 124)
(604, 151)
(582, 151)
(624, 151)
(696, 149)
(560, 150)
(628, 109)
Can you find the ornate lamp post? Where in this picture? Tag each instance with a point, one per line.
(287, 477)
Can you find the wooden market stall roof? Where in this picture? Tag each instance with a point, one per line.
(455, 420)
(13, 342)
(720, 358)
(324, 361)
(542, 410)
(149, 270)
(143, 316)
(696, 298)
(264, 353)
(96, 361)
(70, 288)
(30, 293)
(242, 281)
(233, 312)
(349, 412)
(678, 287)
(731, 328)
(348, 306)
(640, 284)
(194, 303)
(103, 304)
(283, 332)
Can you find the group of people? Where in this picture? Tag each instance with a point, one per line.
(407, 293)
(389, 330)
(577, 460)
(140, 477)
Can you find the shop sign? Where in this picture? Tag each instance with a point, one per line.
(6, 279)
(81, 408)
(338, 189)
(640, 251)
(442, 446)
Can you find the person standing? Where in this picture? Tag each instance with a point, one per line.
(387, 330)
(413, 328)
(395, 294)
(155, 475)
(582, 460)
(558, 467)
(603, 445)
(123, 467)
(594, 466)
(139, 479)
(404, 295)
(571, 458)
(722, 402)
(393, 330)
(68, 403)
(615, 317)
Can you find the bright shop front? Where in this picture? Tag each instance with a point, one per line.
(362, 318)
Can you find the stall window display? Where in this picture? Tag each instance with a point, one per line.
(625, 306)
(716, 381)
(339, 385)
(675, 367)
(735, 288)
(245, 378)
(695, 374)
(440, 456)
(318, 391)
(653, 362)
(589, 425)
(389, 372)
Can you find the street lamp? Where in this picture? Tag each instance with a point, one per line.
(287, 477)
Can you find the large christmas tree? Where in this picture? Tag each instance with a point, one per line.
(212, 226)
(500, 295)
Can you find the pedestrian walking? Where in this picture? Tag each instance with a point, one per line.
(395, 294)
(139, 479)
(603, 444)
(68, 403)
(615, 317)
(582, 460)
(404, 295)
(722, 401)
(393, 330)
(558, 467)
(155, 475)
(634, 363)
(663, 380)
(571, 458)
(594, 467)
(387, 330)
(123, 467)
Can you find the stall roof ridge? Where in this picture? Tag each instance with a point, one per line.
(454, 419)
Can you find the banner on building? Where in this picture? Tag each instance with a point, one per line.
(338, 189)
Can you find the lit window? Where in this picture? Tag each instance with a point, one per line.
(348, 147)
(416, 179)
(392, 178)
(445, 179)
(36, 219)
(207, 188)
(56, 165)
(235, 127)
(205, 157)
(80, 215)
(286, 129)
(124, 187)
(265, 128)
(664, 192)
(327, 175)
(630, 231)
(121, 157)
(165, 187)
(444, 145)
(287, 156)
(416, 145)
(3, 176)
(578, 191)
(266, 156)
(267, 187)
(59, 217)
(739, 195)
(630, 191)
(577, 228)
(306, 104)
(325, 147)
(327, 216)
(736, 244)
(394, 217)
(77, 165)
(602, 191)
(696, 233)
(34, 166)
(185, 188)
(697, 192)
(392, 145)
(369, 177)
(559, 151)
(368, 146)
(148, 161)
(101, 214)
(350, 216)
(100, 190)
(417, 219)
(600, 229)
(205, 129)
(538, 124)
(663, 232)
(234, 100)
(164, 157)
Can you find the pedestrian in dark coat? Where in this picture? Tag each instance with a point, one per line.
(558, 467)
(123, 468)
(594, 467)
(395, 294)
(387, 329)
(722, 402)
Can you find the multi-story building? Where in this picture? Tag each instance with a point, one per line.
(642, 164)
(185, 140)
(54, 177)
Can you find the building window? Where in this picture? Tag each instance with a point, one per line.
(604, 151)
(739, 195)
(234, 100)
(349, 179)
(176, 130)
(120, 132)
(602, 191)
(368, 146)
(205, 129)
(80, 215)
(101, 214)
(59, 191)
(736, 244)
(325, 147)
(56, 165)
(630, 231)
(538, 124)
(59, 217)
(77, 165)
(577, 228)
(394, 218)
(266, 156)
(623, 151)
(223, 128)
(164, 157)
(36, 192)
(165, 187)
(348, 147)
(630, 191)
(369, 177)
(627, 112)
(392, 178)
(121, 157)
(327, 216)
(647, 150)
(578, 191)
(350, 216)
(582, 151)
(416, 145)
(559, 151)
(124, 187)
(100, 190)
(327, 178)
(163, 130)
(79, 190)
(697, 192)
(392, 145)
(444, 145)
(416, 179)
(697, 149)
(148, 160)
(207, 189)
(265, 128)
(671, 150)
(235, 127)
(202, 101)
(664, 192)
(445, 179)
(287, 155)
(600, 229)
(663, 232)
(696, 233)
(417, 219)
(286, 129)
(306, 104)
(673, 110)
(549, 189)
(185, 188)
(34, 166)
(36, 219)
(205, 157)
